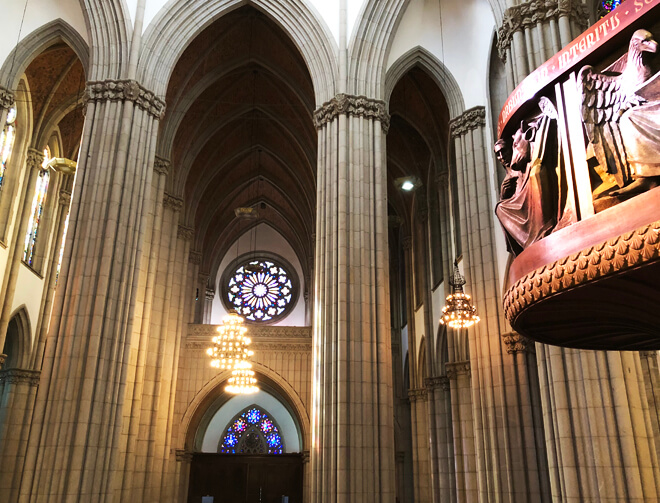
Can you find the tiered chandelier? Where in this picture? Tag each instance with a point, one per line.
(459, 311)
(230, 352)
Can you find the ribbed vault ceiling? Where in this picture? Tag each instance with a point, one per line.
(239, 132)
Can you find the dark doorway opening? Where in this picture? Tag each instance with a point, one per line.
(236, 478)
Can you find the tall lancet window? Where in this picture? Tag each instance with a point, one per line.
(38, 204)
(7, 142)
(607, 6)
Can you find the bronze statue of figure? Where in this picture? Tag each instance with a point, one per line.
(528, 206)
(622, 127)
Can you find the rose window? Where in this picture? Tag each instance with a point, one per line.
(260, 290)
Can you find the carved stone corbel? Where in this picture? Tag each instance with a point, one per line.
(357, 106)
(472, 118)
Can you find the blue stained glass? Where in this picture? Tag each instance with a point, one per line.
(607, 6)
(253, 432)
(253, 416)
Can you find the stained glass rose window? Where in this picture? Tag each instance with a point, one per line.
(260, 290)
(253, 431)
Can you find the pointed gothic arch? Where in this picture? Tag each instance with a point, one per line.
(175, 27)
(18, 343)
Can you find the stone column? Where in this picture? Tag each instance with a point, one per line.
(597, 426)
(439, 391)
(18, 388)
(34, 161)
(208, 304)
(352, 419)
(509, 452)
(200, 295)
(651, 371)
(79, 415)
(194, 262)
(532, 31)
(183, 462)
(462, 417)
(421, 453)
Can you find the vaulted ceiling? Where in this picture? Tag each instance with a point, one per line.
(239, 132)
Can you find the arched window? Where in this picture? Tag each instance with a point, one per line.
(38, 204)
(261, 290)
(61, 255)
(253, 431)
(606, 6)
(7, 142)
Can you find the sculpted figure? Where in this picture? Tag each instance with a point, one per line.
(622, 127)
(527, 208)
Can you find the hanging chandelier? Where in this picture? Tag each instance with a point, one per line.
(230, 346)
(459, 311)
(242, 380)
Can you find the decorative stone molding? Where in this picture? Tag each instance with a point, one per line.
(203, 277)
(357, 106)
(183, 455)
(185, 233)
(455, 369)
(172, 202)
(65, 198)
(20, 376)
(126, 90)
(195, 257)
(648, 354)
(442, 180)
(256, 332)
(305, 457)
(210, 294)
(407, 243)
(161, 165)
(35, 158)
(3, 358)
(418, 394)
(516, 343)
(6, 98)
(529, 14)
(440, 382)
(614, 256)
(470, 119)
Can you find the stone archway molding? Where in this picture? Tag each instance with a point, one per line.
(197, 408)
(180, 21)
(420, 57)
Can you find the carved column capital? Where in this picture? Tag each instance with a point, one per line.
(35, 158)
(648, 354)
(440, 382)
(442, 180)
(418, 394)
(472, 118)
(305, 457)
(528, 14)
(407, 243)
(185, 233)
(195, 257)
(172, 202)
(3, 359)
(126, 90)
(161, 165)
(65, 198)
(183, 455)
(210, 294)
(6, 98)
(203, 277)
(455, 369)
(357, 106)
(20, 376)
(516, 343)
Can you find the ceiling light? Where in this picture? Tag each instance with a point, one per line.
(459, 311)
(408, 183)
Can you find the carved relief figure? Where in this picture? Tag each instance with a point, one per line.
(527, 208)
(621, 115)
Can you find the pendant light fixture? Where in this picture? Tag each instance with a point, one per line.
(459, 311)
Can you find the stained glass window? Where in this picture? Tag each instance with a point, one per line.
(38, 204)
(7, 142)
(260, 290)
(607, 6)
(253, 431)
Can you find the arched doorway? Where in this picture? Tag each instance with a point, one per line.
(247, 448)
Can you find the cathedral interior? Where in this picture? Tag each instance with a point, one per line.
(330, 251)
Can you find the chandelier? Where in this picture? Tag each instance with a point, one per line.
(242, 380)
(230, 346)
(459, 311)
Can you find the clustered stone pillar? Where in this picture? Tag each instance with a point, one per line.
(510, 457)
(352, 453)
(531, 32)
(80, 419)
(438, 389)
(420, 442)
